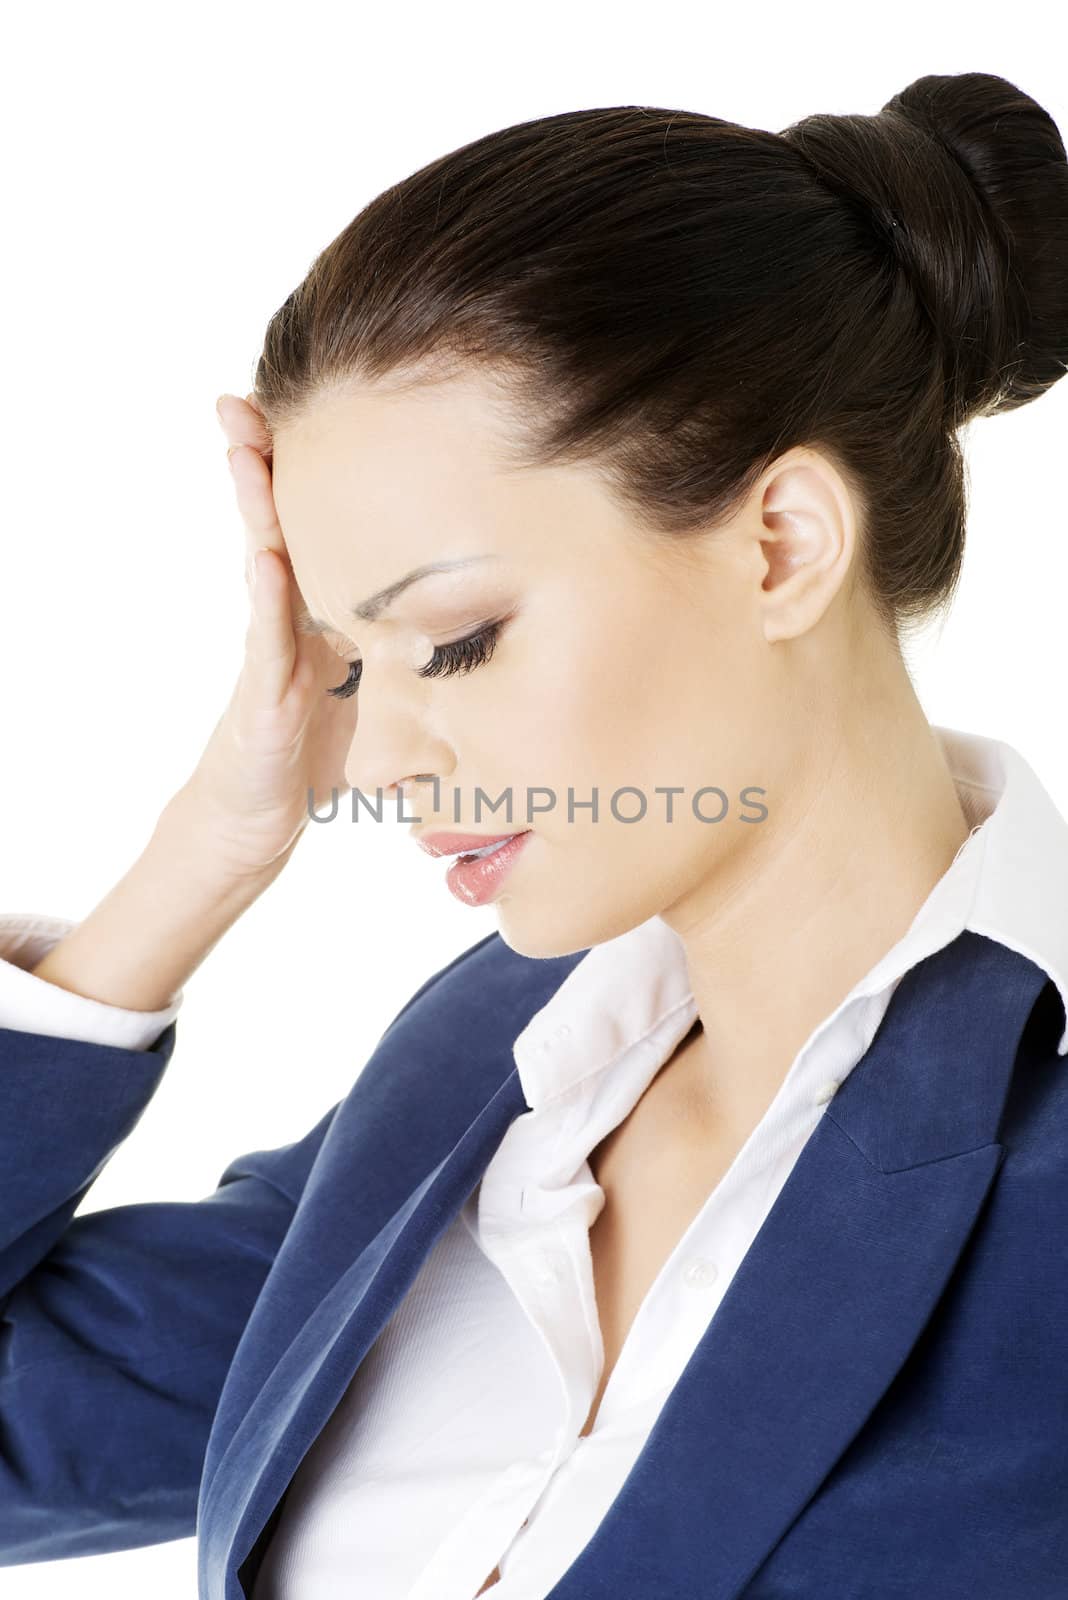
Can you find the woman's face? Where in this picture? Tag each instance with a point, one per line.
(623, 663)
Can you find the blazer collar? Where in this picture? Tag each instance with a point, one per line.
(824, 1309)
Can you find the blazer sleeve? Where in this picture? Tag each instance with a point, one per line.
(117, 1327)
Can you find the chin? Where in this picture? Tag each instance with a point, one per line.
(545, 932)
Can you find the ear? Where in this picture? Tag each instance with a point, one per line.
(808, 535)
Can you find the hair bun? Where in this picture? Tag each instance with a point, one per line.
(965, 177)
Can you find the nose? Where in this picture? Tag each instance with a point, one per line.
(373, 770)
(394, 742)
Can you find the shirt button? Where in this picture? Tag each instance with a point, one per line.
(698, 1273)
(828, 1091)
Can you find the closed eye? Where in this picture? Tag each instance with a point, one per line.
(462, 655)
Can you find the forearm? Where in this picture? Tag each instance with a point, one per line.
(151, 932)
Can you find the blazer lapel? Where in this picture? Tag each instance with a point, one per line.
(358, 1258)
(833, 1293)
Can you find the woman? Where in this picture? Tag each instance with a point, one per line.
(691, 1234)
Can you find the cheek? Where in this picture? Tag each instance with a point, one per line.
(667, 715)
(593, 729)
(549, 718)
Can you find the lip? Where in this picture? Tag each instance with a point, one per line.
(458, 844)
(476, 883)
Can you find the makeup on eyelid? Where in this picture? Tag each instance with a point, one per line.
(471, 650)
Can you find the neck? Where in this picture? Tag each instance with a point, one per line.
(777, 941)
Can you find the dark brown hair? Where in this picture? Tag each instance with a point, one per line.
(677, 300)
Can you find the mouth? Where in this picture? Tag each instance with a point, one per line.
(468, 846)
(477, 876)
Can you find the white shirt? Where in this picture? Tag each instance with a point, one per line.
(456, 1446)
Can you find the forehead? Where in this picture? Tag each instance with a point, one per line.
(371, 483)
(372, 451)
(376, 487)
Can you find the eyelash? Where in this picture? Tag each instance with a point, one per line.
(462, 655)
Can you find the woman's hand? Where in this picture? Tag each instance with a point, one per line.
(281, 734)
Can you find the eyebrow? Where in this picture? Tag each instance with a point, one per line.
(372, 608)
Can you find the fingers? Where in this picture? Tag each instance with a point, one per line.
(256, 407)
(244, 427)
(243, 422)
(255, 499)
(270, 648)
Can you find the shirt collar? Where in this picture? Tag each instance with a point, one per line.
(1009, 881)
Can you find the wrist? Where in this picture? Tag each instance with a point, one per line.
(192, 838)
(138, 948)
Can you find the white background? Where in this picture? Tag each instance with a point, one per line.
(169, 177)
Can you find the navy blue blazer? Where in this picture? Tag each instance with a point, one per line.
(878, 1409)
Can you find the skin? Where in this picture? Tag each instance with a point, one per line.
(744, 656)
